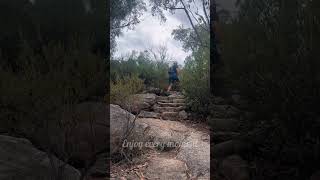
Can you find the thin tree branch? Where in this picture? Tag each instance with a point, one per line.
(196, 31)
(205, 12)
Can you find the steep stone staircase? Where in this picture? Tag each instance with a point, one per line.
(171, 107)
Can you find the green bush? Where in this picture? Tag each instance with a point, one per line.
(195, 81)
(154, 73)
(121, 90)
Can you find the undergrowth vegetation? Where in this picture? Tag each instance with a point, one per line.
(121, 90)
(195, 81)
(134, 73)
(195, 74)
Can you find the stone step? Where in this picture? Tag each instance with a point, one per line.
(168, 109)
(162, 104)
(176, 96)
(169, 97)
(148, 114)
(170, 115)
(171, 100)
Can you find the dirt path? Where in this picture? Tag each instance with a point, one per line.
(167, 122)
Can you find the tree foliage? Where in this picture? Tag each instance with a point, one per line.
(145, 65)
(197, 18)
(195, 74)
(124, 14)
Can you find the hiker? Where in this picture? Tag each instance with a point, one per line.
(173, 75)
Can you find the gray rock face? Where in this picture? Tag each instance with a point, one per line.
(167, 109)
(142, 102)
(148, 114)
(170, 100)
(196, 152)
(166, 169)
(156, 130)
(170, 115)
(170, 104)
(120, 120)
(176, 96)
(21, 160)
(235, 168)
(192, 146)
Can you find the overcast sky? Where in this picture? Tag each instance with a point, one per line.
(150, 33)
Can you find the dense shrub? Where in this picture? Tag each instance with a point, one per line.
(121, 90)
(195, 81)
(152, 71)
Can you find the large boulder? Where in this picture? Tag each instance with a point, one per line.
(196, 153)
(183, 115)
(149, 114)
(120, 122)
(21, 160)
(141, 102)
(168, 134)
(170, 116)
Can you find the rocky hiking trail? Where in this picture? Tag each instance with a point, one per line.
(184, 151)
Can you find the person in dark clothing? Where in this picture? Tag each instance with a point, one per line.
(173, 75)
